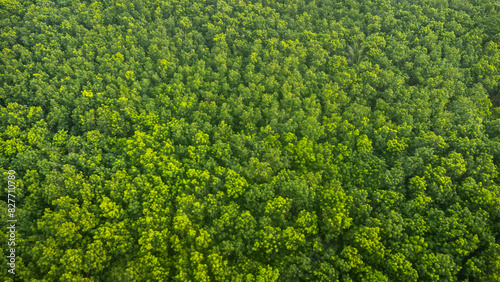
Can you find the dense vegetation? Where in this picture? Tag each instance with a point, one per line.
(252, 140)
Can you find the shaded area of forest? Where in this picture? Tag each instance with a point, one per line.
(252, 140)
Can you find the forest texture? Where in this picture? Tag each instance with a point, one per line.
(251, 140)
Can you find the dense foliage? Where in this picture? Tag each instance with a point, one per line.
(247, 140)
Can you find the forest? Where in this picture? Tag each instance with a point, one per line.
(239, 140)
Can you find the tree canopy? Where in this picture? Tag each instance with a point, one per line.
(238, 140)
